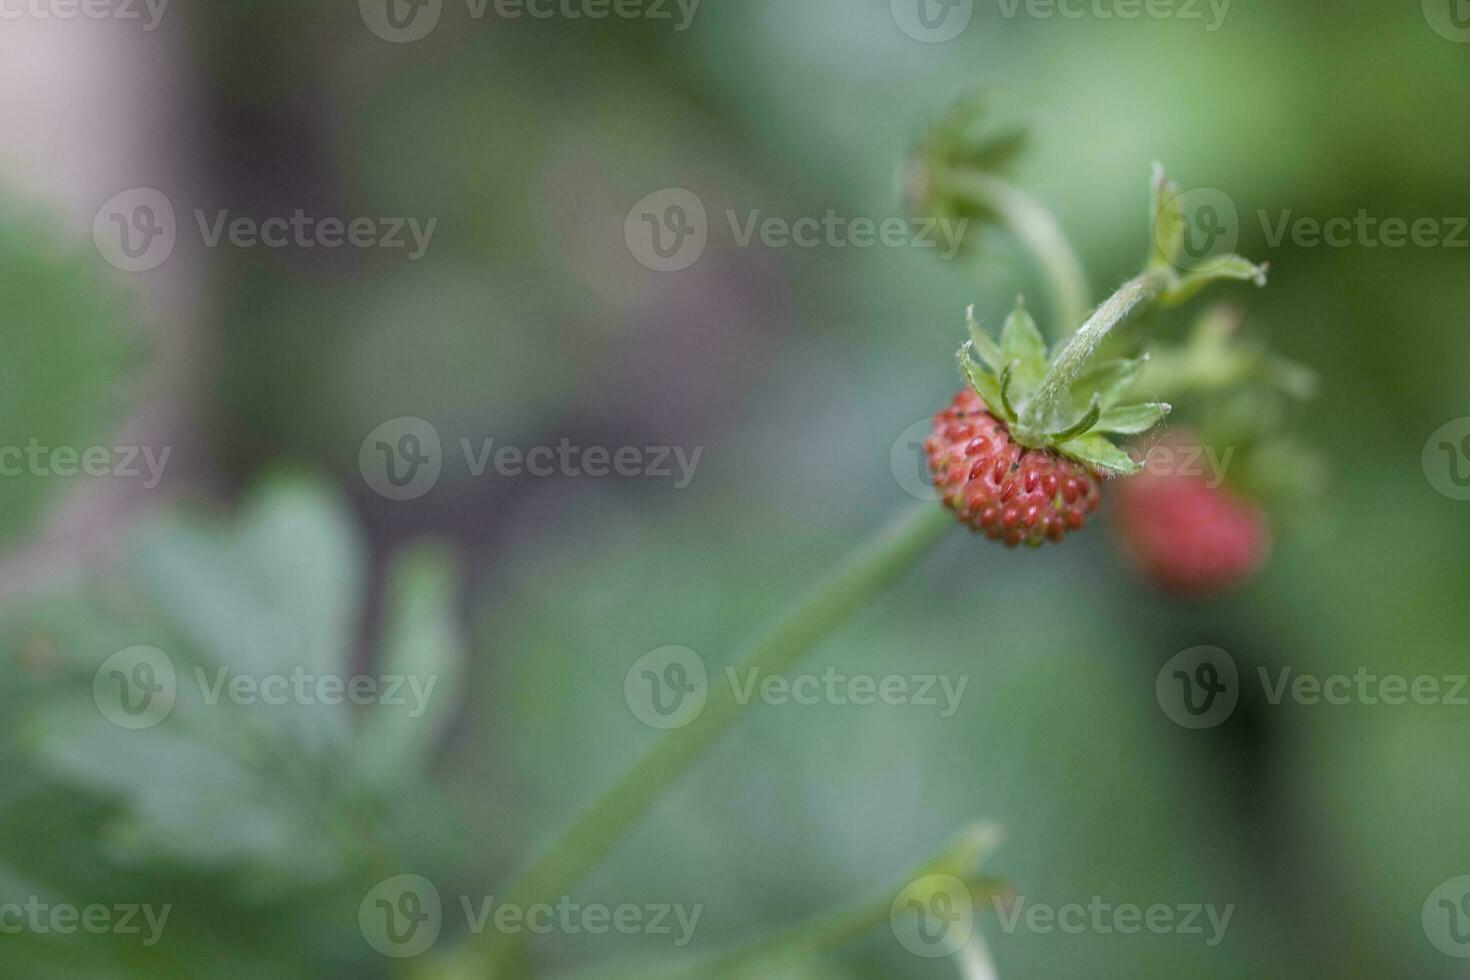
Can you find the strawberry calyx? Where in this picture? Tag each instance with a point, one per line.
(1007, 374)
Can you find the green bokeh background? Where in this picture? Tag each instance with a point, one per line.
(795, 370)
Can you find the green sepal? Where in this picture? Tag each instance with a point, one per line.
(1130, 420)
(1096, 452)
(1023, 349)
(985, 347)
(1085, 424)
(1231, 267)
(983, 383)
(1166, 219)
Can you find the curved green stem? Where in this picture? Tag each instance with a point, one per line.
(1134, 295)
(1042, 236)
(594, 831)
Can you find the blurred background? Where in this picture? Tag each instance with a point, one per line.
(266, 535)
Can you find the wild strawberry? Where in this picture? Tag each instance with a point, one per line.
(997, 486)
(1007, 460)
(1187, 536)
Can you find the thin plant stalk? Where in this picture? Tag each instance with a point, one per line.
(593, 832)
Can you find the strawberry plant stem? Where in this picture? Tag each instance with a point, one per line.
(1038, 231)
(593, 832)
(1131, 297)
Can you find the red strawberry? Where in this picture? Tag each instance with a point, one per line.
(995, 485)
(1188, 537)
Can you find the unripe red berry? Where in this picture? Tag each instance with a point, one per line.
(1187, 536)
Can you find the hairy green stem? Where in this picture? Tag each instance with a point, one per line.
(1134, 295)
(1042, 236)
(594, 831)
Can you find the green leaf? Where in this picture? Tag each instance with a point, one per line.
(1230, 267)
(423, 644)
(985, 347)
(1021, 344)
(1130, 420)
(1100, 454)
(981, 380)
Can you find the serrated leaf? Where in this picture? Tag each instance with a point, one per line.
(1022, 345)
(1097, 452)
(984, 383)
(1130, 420)
(1228, 268)
(985, 346)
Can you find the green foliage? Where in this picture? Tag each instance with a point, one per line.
(266, 813)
